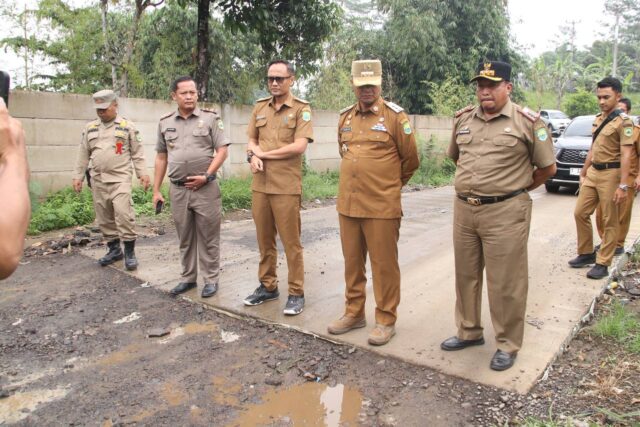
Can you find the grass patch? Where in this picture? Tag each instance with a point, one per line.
(316, 185)
(621, 325)
(64, 208)
(236, 193)
(435, 168)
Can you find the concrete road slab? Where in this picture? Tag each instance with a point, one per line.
(558, 295)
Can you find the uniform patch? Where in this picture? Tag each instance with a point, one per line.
(119, 145)
(138, 138)
(123, 123)
(628, 131)
(463, 132)
(379, 127)
(260, 117)
(542, 134)
(346, 129)
(306, 116)
(406, 128)
(220, 125)
(92, 130)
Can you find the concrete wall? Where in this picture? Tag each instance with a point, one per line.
(53, 124)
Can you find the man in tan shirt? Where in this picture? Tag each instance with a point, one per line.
(379, 156)
(501, 151)
(604, 180)
(112, 143)
(192, 145)
(279, 130)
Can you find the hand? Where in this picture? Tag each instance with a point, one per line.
(256, 164)
(11, 135)
(582, 178)
(157, 196)
(619, 196)
(195, 182)
(637, 183)
(77, 185)
(145, 181)
(257, 152)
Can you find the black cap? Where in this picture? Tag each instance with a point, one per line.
(493, 70)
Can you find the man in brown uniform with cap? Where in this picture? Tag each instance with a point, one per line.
(604, 180)
(191, 143)
(501, 151)
(624, 210)
(279, 130)
(111, 143)
(379, 156)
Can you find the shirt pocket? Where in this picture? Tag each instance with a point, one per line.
(92, 140)
(170, 138)
(608, 130)
(505, 141)
(463, 139)
(201, 132)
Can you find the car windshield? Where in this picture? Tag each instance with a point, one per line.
(579, 127)
(557, 115)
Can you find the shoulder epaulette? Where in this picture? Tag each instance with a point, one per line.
(394, 107)
(209, 110)
(93, 124)
(264, 99)
(300, 100)
(345, 109)
(530, 115)
(623, 115)
(599, 114)
(464, 110)
(167, 115)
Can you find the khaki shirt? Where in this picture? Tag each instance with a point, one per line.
(633, 167)
(111, 148)
(606, 147)
(497, 156)
(190, 143)
(274, 129)
(379, 156)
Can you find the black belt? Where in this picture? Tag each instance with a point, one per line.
(603, 166)
(484, 200)
(178, 182)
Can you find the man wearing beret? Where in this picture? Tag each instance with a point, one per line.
(112, 144)
(379, 155)
(501, 151)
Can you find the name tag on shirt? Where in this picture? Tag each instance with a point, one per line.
(379, 127)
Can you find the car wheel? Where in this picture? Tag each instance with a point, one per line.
(552, 188)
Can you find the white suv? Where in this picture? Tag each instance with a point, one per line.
(556, 120)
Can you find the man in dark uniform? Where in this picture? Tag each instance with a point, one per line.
(604, 180)
(379, 156)
(191, 143)
(279, 130)
(501, 151)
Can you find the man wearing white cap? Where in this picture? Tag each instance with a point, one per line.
(111, 143)
(379, 156)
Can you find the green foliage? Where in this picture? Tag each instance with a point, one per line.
(61, 209)
(435, 169)
(620, 324)
(320, 185)
(449, 96)
(143, 200)
(580, 103)
(236, 193)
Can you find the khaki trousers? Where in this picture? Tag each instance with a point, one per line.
(276, 214)
(378, 237)
(492, 236)
(114, 209)
(624, 218)
(598, 190)
(197, 218)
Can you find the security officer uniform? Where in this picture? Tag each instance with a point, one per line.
(600, 186)
(190, 145)
(379, 156)
(111, 148)
(277, 190)
(495, 161)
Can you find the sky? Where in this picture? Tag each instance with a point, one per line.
(536, 24)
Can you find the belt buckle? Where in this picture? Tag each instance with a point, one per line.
(475, 201)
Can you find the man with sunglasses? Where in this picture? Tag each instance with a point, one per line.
(501, 151)
(279, 130)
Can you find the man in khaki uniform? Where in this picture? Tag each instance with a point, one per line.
(501, 151)
(379, 156)
(604, 180)
(624, 210)
(191, 143)
(279, 130)
(111, 143)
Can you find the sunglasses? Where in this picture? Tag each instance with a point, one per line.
(278, 79)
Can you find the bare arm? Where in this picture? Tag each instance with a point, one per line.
(298, 147)
(625, 165)
(158, 175)
(14, 192)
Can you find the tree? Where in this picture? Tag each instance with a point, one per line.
(618, 8)
(580, 103)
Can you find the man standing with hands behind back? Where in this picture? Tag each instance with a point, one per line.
(191, 143)
(279, 131)
(501, 151)
(112, 144)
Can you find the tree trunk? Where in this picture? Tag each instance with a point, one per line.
(202, 54)
(128, 51)
(104, 4)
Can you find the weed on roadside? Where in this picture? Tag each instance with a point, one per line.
(435, 169)
(620, 324)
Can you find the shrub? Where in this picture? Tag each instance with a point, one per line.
(580, 103)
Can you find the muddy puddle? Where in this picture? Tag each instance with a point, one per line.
(310, 404)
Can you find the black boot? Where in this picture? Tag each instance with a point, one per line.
(114, 254)
(130, 261)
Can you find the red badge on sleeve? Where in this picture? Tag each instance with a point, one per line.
(119, 147)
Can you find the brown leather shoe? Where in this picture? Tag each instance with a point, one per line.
(345, 324)
(381, 334)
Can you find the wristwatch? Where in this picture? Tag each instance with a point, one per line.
(249, 156)
(623, 187)
(209, 177)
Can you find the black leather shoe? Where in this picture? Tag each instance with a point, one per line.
(209, 289)
(583, 260)
(598, 271)
(455, 343)
(501, 361)
(182, 288)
